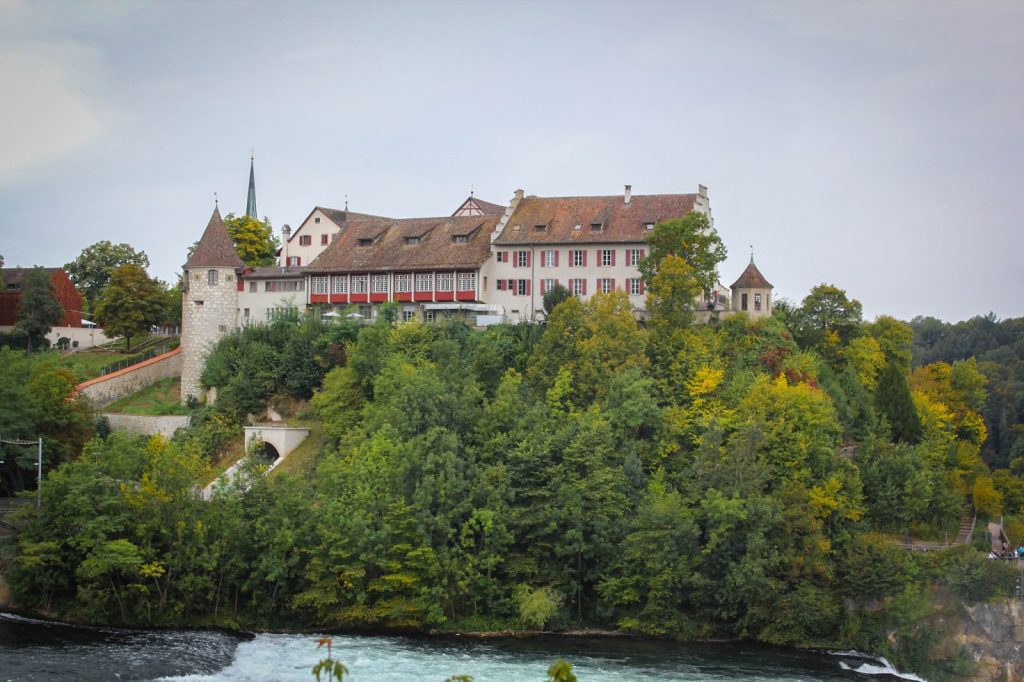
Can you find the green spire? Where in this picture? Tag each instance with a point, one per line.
(250, 204)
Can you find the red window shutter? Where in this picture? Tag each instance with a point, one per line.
(528, 255)
(613, 256)
(515, 259)
(543, 286)
(641, 286)
(583, 288)
(642, 252)
(613, 285)
(584, 265)
(528, 287)
(556, 258)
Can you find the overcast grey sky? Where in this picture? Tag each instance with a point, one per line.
(875, 145)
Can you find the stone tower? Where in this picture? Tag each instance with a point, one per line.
(209, 302)
(752, 293)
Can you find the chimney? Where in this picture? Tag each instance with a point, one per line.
(702, 191)
(629, 193)
(519, 194)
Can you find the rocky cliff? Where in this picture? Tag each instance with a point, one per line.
(994, 635)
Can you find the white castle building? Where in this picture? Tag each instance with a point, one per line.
(485, 263)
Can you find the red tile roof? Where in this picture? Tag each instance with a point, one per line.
(751, 279)
(485, 207)
(385, 245)
(215, 248)
(619, 221)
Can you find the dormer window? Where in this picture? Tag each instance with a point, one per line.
(366, 241)
(515, 228)
(460, 239)
(596, 227)
(211, 277)
(577, 227)
(648, 226)
(412, 241)
(540, 228)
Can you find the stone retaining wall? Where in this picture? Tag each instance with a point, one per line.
(116, 385)
(147, 425)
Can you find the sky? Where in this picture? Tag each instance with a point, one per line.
(877, 146)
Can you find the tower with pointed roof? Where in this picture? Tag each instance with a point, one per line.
(250, 202)
(209, 305)
(752, 293)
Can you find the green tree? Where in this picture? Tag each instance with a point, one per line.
(254, 240)
(92, 269)
(826, 318)
(38, 310)
(691, 238)
(893, 400)
(554, 296)
(130, 304)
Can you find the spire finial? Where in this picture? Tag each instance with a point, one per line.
(216, 201)
(346, 203)
(751, 254)
(471, 191)
(250, 202)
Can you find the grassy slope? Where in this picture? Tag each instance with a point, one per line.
(161, 398)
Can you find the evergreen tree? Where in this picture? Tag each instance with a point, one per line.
(893, 400)
(39, 310)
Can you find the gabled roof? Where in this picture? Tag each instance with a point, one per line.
(13, 277)
(751, 278)
(339, 217)
(474, 206)
(618, 221)
(389, 248)
(215, 248)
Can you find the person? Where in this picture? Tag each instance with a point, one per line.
(1020, 552)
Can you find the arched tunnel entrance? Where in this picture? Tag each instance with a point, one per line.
(267, 453)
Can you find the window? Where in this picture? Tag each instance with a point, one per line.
(360, 284)
(403, 282)
(295, 261)
(757, 301)
(408, 315)
(305, 240)
(278, 313)
(339, 284)
(316, 220)
(366, 241)
(502, 256)
(428, 315)
(412, 241)
(252, 287)
(634, 256)
(211, 276)
(648, 226)
(199, 303)
(578, 258)
(596, 227)
(319, 284)
(578, 287)
(379, 284)
(424, 281)
(635, 286)
(522, 259)
(540, 228)
(245, 313)
(606, 285)
(547, 285)
(222, 328)
(445, 281)
(460, 238)
(549, 259)
(467, 281)
(323, 240)
(284, 285)
(366, 311)
(607, 257)
(522, 287)
(500, 284)
(743, 301)
(577, 227)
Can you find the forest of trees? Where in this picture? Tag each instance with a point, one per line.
(663, 478)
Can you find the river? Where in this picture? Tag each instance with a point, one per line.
(34, 650)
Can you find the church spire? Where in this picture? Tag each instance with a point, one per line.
(250, 203)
